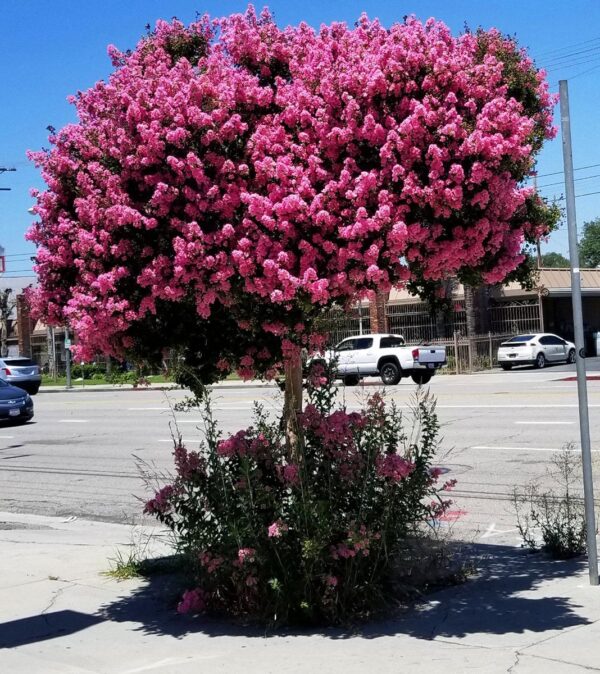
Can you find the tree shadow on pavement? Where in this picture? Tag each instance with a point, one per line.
(44, 626)
(514, 591)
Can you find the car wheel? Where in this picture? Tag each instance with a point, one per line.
(540, 361)
(506, 366)
(571, 357)
(390, 374)
(421, 378)
(351, 380)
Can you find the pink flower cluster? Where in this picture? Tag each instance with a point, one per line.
(210, 562)
(240, 444)
(246, 555)
(289, 473)
(276, 529)
(275, 172)
(357, 543)
(193, 601)
(187, 463)
(394, 467)
(161, 503)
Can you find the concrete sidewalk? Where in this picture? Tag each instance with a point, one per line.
(59, 615)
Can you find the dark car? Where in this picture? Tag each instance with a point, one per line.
(15, 404)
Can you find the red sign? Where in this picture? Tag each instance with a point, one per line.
(2, 264)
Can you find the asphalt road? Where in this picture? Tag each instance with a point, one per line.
(78, 457)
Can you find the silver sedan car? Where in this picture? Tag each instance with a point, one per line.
(535, 349)
(22, 372)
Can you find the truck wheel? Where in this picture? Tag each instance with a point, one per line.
(351, 380)
(421, 378)
(390, 374)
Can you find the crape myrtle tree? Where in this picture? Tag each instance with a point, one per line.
(231, 181)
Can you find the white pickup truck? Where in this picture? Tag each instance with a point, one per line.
(386, 356)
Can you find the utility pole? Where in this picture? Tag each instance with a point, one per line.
(584, 423)
(68, 357)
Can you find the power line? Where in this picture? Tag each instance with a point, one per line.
(575, 45)
(577, 196)
(596, 175)
(573, 54)
(572, 64)
(556, 173)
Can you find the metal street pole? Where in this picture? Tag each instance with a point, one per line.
(68, 357)
(584, 423)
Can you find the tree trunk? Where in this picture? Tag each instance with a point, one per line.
(471, 319)
(3, 337)
(292, 406)
(5, 309)
(470, 314)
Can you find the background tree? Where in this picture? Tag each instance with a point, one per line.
(589, 246)
(555, 260)
(7, 304)
(232, 181)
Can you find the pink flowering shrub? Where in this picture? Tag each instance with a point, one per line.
(314, 542)
(231, 180)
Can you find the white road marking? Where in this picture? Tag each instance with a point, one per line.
(512, 407)
(6, 437)
(492, 531)
(147, 409)
(73, 421)
(248, 408)
(530, 449)
(544, 423)
(183, 440)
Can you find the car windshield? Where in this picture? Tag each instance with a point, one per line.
(521, 338)
(3, 383)
(19, 362)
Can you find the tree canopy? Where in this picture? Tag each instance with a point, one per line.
(555, 260)
(589, 246)
(232, 180)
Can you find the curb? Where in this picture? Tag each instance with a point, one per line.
(161, 387)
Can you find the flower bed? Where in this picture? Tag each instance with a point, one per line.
(306, 541)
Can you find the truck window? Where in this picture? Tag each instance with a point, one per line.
(363, 343)
(346, 345)
(391, 342)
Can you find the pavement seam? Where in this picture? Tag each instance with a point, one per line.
(562, 662)
(55, 595)
(515, 664)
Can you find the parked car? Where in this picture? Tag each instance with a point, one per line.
(386, 356)
(15, 404)
(22, 372)
(536, 350)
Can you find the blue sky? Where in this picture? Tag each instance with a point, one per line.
(49, 50)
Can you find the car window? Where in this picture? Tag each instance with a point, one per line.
(363, 343)
(521, 338)
(546, 341)
(19, 362)
(555, 340)
(346, 345)
(391, 342)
